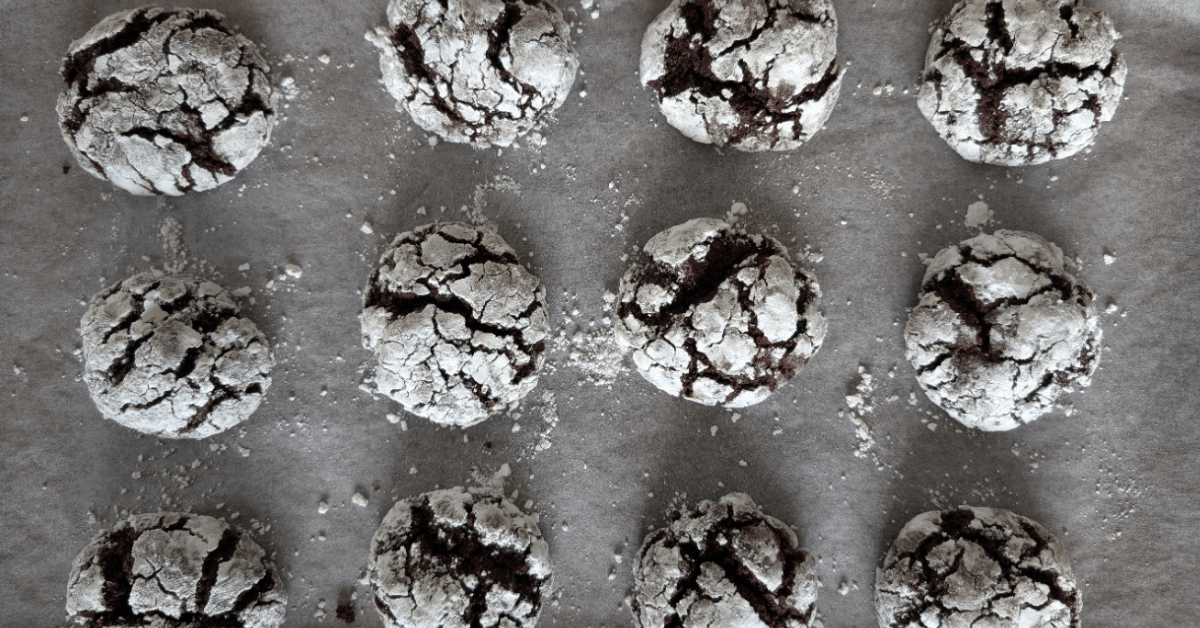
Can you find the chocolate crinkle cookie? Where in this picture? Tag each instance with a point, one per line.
(1020, 82)
(755, 74)
(457, 324)
(174, 570)
(976, 567)
(1001, 329)
(724, 564)
(459, 558)
(165, 101)
(719, 316)
(169, 356)
(479, 72)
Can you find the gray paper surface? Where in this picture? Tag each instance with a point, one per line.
(1116, 479)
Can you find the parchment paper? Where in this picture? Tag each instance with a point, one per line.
(1116, 479)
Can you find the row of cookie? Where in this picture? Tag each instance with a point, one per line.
(710, 313)
(165, 102)
(469, 557)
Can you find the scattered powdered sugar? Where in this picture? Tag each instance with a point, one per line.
(860, 404)
(475, 212)
(172, 243)
(1118, 491)
(592, 346)
(979, 215)
(549, 411)
(288, 88)
(736, 212)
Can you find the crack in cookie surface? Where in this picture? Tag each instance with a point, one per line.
(724, 564)
(457, 324)
(757, 75)
(459, 558)
(976, 566)
(482, 72)
(719, 316)
(169, 356)
(174, 570)
(1001, 329)
(165, 101)
(1018, 82)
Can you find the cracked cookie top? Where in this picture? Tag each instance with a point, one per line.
(1019, 82)
(976, 567)
(459, 558)
(174, 570)
(457, 324)
(480, 72)
(724, 565)
(169, 356)
(755, 74)
(719, 316)
(165, 101)
(1001, 330)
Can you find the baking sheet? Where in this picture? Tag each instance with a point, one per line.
(1116, 479)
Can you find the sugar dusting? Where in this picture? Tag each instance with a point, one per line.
(979, 215)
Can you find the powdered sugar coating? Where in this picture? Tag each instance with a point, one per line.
(976, 567)
(724, 565)
(755, 74)
(165, 101)
(169, 356)
(1018, 82)
(481, 72)
(457, 324)
(174, 570)
(719, 316)
(459, 558)
(1001, 330)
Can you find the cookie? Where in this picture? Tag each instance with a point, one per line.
(1001, 330)
(724, 565)
(457, 325)
(165, 101)
(459, 558)
(976, 567)
(169, 356)
(754, 74)
(718, 316)
(1021, 82)
(480, 72)
(174, 570)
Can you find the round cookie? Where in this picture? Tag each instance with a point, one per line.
(459, 558)
(1001, 330)
(165, 101)
(1020, 82)
(719, 316)
(169, 356)
(724, 565)
(976, 567)
(479, 72)
(755, 74)
(457, 324)
(174, 570)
